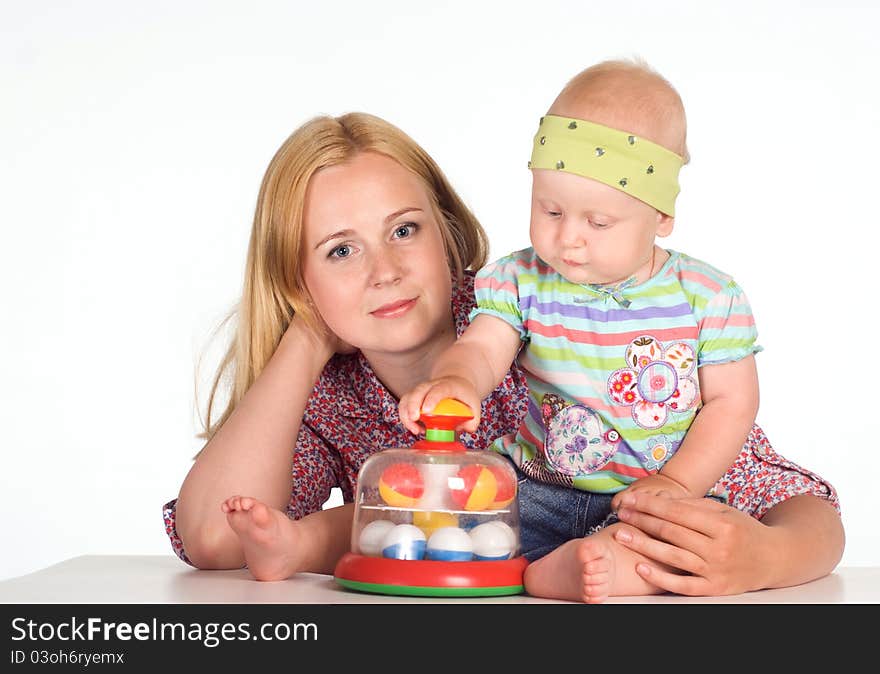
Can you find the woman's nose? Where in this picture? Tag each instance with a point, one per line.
(386, 269)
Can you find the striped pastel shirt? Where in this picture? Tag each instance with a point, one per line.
(612, 371)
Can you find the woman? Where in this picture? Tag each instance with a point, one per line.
(355, 280)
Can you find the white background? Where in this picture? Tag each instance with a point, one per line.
(133, 137)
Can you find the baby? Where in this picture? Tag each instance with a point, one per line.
(623, 342)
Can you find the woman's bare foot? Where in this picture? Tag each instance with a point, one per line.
(269, 538)
(587, 570)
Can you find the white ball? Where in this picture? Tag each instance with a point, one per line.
(370, 541)
(508, 531)
(405, 541)
(493, 540)
(450, 544)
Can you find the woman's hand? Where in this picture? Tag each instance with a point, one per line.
(719, 549)
(323, 341)
(232, 462)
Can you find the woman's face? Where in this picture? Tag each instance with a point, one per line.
(374, 261)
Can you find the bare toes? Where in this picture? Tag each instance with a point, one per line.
(596, 598)
(247, 502)
(593, 579)
(233, 503)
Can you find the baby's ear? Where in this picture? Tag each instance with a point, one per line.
(665, 223)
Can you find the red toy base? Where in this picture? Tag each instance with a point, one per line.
(429, 578)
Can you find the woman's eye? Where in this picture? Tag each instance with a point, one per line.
(405, 231)
(340, 252)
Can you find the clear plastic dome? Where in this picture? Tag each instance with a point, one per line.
(436, 504)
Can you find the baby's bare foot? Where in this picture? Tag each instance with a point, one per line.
(582, 569)
(598, 568)
(588, 570)
(268, 537)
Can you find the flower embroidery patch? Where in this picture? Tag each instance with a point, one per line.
(576, 442)
(660, 450)
(657, 382)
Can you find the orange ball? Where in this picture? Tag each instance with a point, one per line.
(473, 488)
(401, 485)
(506, 488)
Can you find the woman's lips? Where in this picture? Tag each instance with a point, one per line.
(395, 309)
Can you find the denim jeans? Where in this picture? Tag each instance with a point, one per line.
(550, 515)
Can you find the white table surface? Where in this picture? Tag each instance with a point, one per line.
(163, 579)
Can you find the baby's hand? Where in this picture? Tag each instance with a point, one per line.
(427, 394)
(657, 484)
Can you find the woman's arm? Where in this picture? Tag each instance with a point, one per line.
(252, 453)
(726, 551)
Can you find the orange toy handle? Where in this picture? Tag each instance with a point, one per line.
(446, 416)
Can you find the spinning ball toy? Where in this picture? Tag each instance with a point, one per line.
(436, 519)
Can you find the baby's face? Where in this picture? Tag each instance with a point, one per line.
(590, 232)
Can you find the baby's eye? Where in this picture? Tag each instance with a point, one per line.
(406, 230)
(340, 252)
(599, 225)
(554, 214)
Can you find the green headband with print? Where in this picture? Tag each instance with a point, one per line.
(617, 158)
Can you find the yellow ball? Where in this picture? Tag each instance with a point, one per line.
(428, 521)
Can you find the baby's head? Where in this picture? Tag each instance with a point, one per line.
(605, 173)
(630, 96)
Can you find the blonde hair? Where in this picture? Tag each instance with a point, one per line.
(274, 288)
(627, 95)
